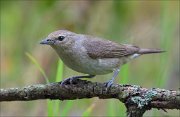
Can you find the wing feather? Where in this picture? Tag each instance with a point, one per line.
(99, 48)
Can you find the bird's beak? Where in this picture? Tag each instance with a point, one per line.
(47, 41)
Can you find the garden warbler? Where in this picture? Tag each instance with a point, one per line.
(92, 55)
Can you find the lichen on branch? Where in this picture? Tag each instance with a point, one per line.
(133, 96)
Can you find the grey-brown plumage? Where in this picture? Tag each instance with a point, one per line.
(98, 48)
(92, 55)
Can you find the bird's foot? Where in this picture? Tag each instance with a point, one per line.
(67, 81)
(109, 83)
(72, 79)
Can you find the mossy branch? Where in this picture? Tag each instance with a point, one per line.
(136, 98)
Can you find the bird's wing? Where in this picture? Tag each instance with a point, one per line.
(99, 48)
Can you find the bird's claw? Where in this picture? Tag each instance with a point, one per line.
(66, 81)
(109, 83)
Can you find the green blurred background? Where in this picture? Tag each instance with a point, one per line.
(150, 24)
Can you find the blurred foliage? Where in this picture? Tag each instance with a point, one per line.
(150, 24)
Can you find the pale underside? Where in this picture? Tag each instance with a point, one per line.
(96, 56)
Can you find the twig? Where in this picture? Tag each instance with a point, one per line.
(136, 98)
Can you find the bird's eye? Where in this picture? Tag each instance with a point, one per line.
(60, 38)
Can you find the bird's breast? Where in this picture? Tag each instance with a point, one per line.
(76, 58)
(81, 62)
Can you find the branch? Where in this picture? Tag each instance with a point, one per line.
(136, 98)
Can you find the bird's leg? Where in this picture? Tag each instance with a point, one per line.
(110, 82)
(75, 78)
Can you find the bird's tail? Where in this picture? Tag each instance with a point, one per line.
(149, 51)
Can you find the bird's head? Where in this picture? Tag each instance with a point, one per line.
(59, 38)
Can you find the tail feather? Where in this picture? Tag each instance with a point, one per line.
(149, 51)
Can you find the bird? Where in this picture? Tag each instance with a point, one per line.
(92, 55)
